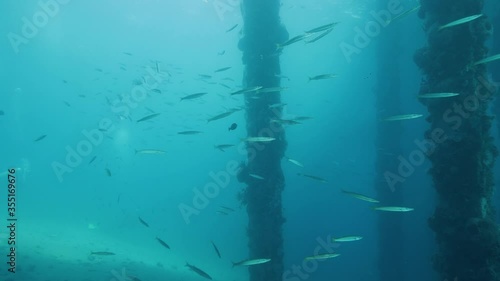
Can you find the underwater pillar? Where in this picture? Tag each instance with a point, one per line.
(261, 32)
(387, 91)
(460, 146)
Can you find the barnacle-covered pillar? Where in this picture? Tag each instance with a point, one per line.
(462, 159)
(261, 32)
(387, 183)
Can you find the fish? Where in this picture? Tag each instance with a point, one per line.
(347, 239)
(223, 69)
(285, 121)
(220, 212)
(360, 196)
(221, 147)
(158, 91)
(148, 117)
(321, 257)
(143, 222)
(403, 14)
(277, 105)
(103, 253)
(67, 104)
(92, 160)
(224, 85)
(157, 67)
(313, 177)
(198, 271)
(108, 172)
(149, 151)
(220, 116)
(247, 90)
(295, 39)
(205, 76)
(234, 26)
(128, 54)
(271, 89)
(216, 250)
(40, 138)
(488, 59)
(402, 117)
(162, 243)
(189, 132)
(460, 21)
(322, 28)
(227, 208)
(302, 118)
(323, 76)
(437, 95)
(1, 113)
(258, 139)
(193, 96)
(256, 176)
(393, 209)
(232, 127)
(294, 162)
(319, 36)
(251, 262)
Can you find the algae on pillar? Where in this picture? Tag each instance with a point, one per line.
(463, 156)
(262, 30)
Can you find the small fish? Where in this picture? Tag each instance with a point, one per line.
(223, 69)
(488, 59)
(143, 222)
(1, 113)
(437, 95)
(323, 76)
(149, 151)
(319, 36)
(40, 138)
(193, 96)
(313, 177)
(285, 121)
(92, 160)
(234, 26)
(158, 91)
(189, 132)
(157, 64)
(321, 257)
(148, 117)
(403, 14)
(271, 89)
(216, 250)
(302, 118)
(360, 196)
(277, 105)
(393, 209)
(246, 90)
(98, 70)
(128, 54)
(460, 21)
(294, 162)
(323, 27)
(220, 212)
(221, 147)
(108, 172)
(347, 239)
(162, 243)
(204, 76)
(198, 271)
(67, 104)
(251, 262)
(256, 176)
(102, 253)
(221, 53)
(227, 208)
(220, 116)
(402, 117)
(258, 139)
(293, 40)
(232, 127)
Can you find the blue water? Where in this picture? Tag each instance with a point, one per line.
(72, 71)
